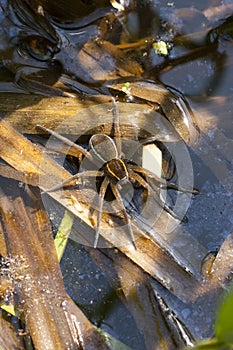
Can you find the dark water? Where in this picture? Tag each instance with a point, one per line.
(199, 65)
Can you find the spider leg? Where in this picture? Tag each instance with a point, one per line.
(161, 181)
(91, 173)
(103, 189)
(82, 150)
(160, 202)
(116, 127)
(119, 199)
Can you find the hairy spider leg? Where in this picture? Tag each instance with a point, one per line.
(137, 177)
(103, 189)
(116, 127)
(68, 142)
(161, 181)
(119, 199)
(87, 173)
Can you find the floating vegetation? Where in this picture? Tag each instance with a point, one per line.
(169, 69)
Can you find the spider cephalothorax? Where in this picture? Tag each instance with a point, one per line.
(116, 171)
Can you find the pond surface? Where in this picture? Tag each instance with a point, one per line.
(66, 54)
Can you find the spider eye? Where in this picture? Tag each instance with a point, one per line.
(103, 147)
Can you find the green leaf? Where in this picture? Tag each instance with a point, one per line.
(63, 234)
(209, 344)
(224, 322)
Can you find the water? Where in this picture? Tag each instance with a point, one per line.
(199, 65)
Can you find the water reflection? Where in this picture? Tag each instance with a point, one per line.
(41, 46)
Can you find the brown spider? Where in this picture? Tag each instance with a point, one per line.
(115, 172)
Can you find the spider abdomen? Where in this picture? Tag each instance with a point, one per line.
(116, 170)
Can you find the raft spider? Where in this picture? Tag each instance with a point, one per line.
(115, 172)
